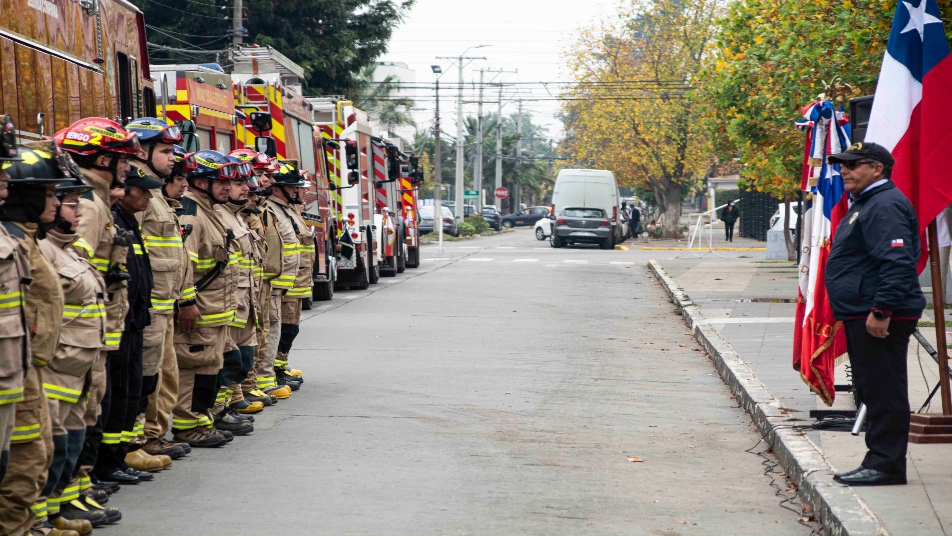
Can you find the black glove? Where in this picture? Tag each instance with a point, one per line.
(116, 274)
(123, 238)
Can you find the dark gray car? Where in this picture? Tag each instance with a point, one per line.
(582, 225)
(450, 226)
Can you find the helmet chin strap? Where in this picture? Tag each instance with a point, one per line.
(148, 161)
(238, 202)
(112, 168)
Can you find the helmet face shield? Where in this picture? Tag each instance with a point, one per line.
(187, 163)
(228, 171)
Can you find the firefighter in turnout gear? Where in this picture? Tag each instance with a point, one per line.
(241, 332)
(285, 198)
(161, 402)
(125, 364)
(31, 206)
(200, 335)
(102, 149)
(287, 180)
(251, 213)
(280, 265)
(14, 277)
(162, 236)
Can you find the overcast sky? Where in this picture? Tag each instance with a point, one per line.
(528, 35)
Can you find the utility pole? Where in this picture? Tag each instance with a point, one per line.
(438, 171)
(237, 28)
(478, 168)
(496, 201)
(517, 195)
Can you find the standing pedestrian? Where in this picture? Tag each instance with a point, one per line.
(729, 215)
(634, 222)
(874, 290)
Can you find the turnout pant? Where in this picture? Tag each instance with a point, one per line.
(6, 430)
(261, 349)
(880, 376)
(266, 376)
(125, 378)
(162, 401)
(290, 318)
(153, 348)
(31, 453)
(67, 407)
(237, 362)
(98, 389)
(199, 355)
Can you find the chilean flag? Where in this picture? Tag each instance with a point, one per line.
(912, 109)
(818, 339)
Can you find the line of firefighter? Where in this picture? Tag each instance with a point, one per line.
(140, 286)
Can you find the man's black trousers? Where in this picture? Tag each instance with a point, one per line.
(729, 231)
(879, 374)
(121, 408)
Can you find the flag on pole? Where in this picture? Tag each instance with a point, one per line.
(818, 339)
(912, 115)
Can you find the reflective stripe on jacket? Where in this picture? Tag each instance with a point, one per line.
(162, 235)
(14, 346)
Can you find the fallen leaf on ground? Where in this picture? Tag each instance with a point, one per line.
(634, 459)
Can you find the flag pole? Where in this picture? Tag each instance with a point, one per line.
(938, 304)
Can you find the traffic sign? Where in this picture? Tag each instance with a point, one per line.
(502, 192)
(470, 193)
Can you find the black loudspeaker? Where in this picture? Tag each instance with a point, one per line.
(860, 110)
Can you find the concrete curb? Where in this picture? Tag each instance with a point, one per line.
(838, 508)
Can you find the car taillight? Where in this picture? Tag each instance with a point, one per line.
(614, 213)
(560, 222)
(448, 220)
(552, 209)
(606, 223)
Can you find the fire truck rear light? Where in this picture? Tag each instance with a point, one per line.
(354, 235)
(560, 222)
(350, 215)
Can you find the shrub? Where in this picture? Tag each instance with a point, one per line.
(466, 229)
(479, 223)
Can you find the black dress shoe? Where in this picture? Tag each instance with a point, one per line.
(120, 477)
(870, 477)
(142, 476)
(838, 476)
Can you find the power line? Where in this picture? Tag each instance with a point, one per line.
(166, 31)
(186, 12)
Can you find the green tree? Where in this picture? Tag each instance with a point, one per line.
(332, 41)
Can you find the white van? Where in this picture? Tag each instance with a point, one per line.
(590, 188)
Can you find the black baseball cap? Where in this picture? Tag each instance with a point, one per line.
(861, 150)
(137, 177)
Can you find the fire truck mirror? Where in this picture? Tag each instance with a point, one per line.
(353, 178)
(189, 139)
(260, 121)
(266, 145)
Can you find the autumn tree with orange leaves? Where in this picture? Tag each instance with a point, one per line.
(633, 107)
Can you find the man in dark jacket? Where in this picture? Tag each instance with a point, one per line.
(874, 290)
(729, 215)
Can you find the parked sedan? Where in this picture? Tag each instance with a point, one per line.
(492, 217)
(543, 228)
(525, 217)
(583, 225)
(450, 226)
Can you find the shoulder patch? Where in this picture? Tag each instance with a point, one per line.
(13, 230)
(187, 208)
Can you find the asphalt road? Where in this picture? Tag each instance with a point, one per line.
(499, 391)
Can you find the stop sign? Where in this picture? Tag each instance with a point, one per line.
(502, 192)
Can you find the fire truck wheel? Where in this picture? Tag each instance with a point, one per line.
(402, 259)
(413, 258)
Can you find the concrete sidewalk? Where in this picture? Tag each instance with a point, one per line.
(747, 306)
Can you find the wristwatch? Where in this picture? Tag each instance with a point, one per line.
(879, 315)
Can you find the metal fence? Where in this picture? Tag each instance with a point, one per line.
(756, 208)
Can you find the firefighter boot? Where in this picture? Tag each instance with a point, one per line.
(245, 407)
(58, 532)
(296, 374)
(284, 379)
(75, 509)
(80, 526)
(112, 515)
(98, 495)
(141, 460)
(257, 395)
(200, 437)
(232, 422)
(156, 447)
(280, 392)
